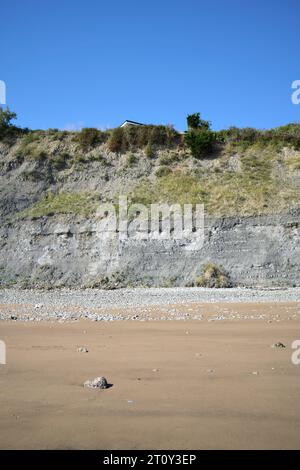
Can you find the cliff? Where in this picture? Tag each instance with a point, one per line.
(51, 187)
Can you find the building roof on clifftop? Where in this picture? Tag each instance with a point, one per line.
(131, 123)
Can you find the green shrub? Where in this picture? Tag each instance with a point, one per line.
(30, 138)
(8, 132)
(199, 138)
(127, 138)
(116, 140)
(6, 116)
(278, 137)
(200, 142)
(57, 134)
(235, 134)
(287, 135)
(194, 121)
(161, 136)
(89, 137)
(213, 276)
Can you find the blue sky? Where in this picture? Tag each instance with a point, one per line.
(69, 64)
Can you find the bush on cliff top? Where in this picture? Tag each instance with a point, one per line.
(7, 129)
(200, 142)
(127, 138)
(199, 138)
(288, 135)
(89, 137)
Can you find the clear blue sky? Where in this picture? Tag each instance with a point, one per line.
(72, 63)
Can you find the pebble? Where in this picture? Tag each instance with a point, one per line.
(278, 345)
(98, 382)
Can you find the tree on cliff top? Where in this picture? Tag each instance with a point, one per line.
(194, 121)
(6, 116)
(199, 138)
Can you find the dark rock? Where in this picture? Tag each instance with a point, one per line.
(278, 345)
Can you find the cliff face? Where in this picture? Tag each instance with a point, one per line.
(262, 251)
(50, 193)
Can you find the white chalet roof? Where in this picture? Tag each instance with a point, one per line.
(131, 123)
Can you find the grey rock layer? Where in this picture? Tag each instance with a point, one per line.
(67, 251)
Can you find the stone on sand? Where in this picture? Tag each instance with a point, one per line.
(98, 382)
(278, 345)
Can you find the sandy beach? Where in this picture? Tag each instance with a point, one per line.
(187, 384)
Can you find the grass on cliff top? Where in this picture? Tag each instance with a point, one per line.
(255, 189)
(263, 183)
(63, 203)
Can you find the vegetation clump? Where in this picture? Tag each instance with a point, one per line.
(194, 121)
(149, 152)
(30, 149)
(7, 129)
(6, 116)
(63, 203)
(213, 276)
(89, 137)
(131, 159)
(199, 139)
(279, 137)
(132, 138)
(248, 172)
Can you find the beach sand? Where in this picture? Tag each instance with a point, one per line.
(175, 384)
